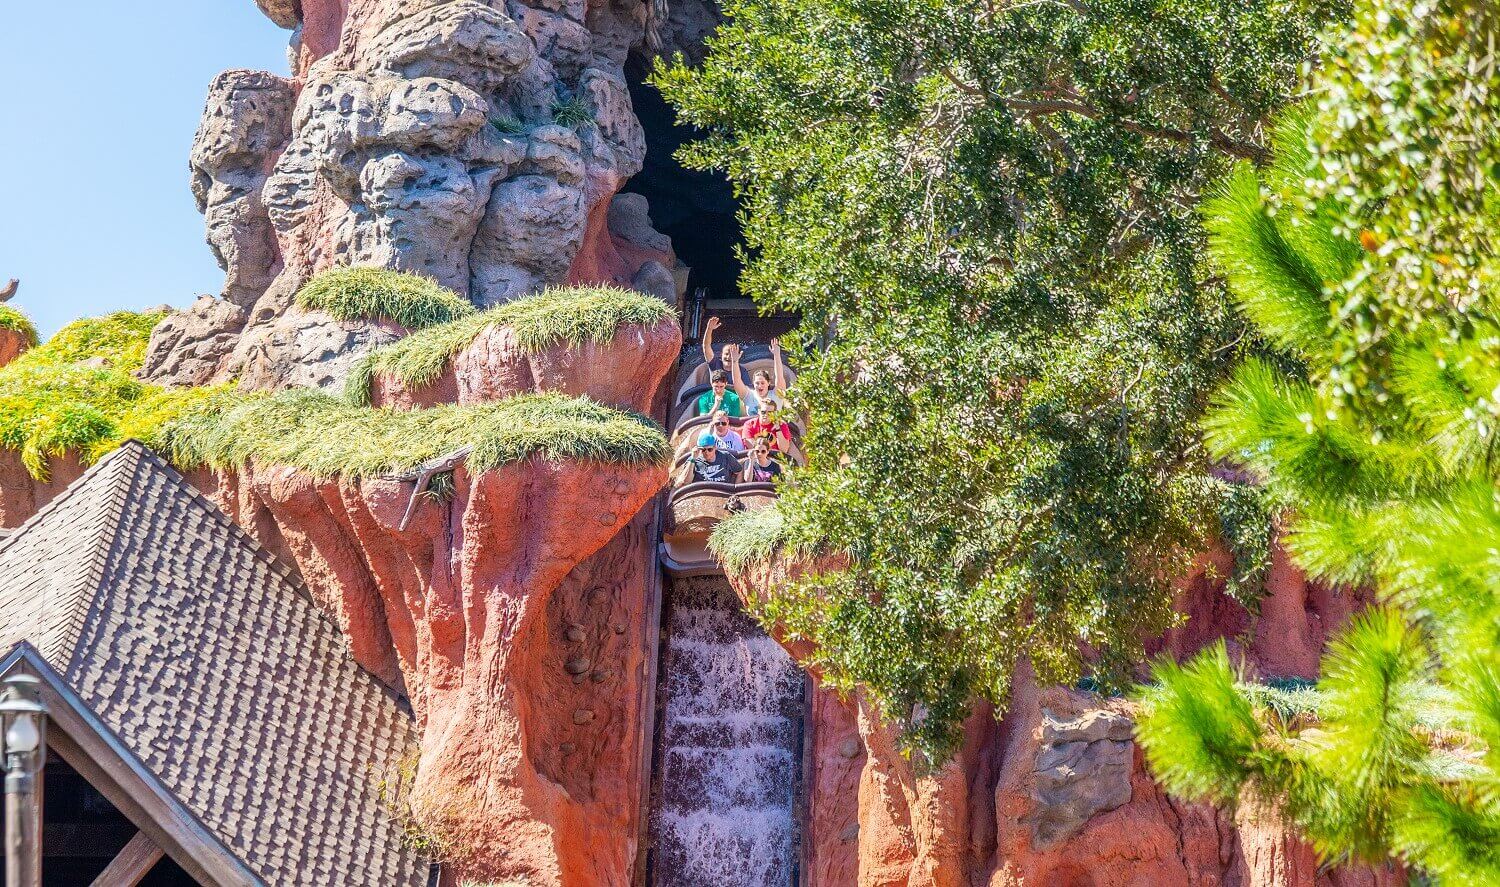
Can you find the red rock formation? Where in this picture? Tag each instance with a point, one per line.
(1285, 639)
(21, 494)
(514, 616)
(1057, 792)
(623, 372)
(13, 343)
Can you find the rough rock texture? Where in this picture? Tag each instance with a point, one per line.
(188, 346)
(479, 142)
(1056, 793)
(514, 615)
(21, 494)
(246, 124)
(12, 345)
(306, 349)
(1297, 617)
(286, 13)
(525, 773)
(617, 373)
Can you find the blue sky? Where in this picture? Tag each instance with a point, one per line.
(99, 100)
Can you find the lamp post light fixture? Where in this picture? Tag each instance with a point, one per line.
(23, 724)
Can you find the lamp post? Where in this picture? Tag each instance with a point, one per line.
(23, 720)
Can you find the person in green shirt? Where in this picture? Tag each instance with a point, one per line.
(719, 397)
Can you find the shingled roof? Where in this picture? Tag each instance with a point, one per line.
(215, 670)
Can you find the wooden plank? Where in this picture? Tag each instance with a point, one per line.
(132, 864)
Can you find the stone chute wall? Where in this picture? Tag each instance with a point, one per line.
(479, 143)
(1057, 793)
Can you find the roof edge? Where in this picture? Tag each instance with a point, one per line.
(16, 532)
(132, 787)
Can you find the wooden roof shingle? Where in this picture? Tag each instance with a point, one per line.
(214, 667)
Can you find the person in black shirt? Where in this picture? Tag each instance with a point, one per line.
(760, 468)
(709, 463)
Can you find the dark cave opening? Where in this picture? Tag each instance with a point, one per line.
(696, 209)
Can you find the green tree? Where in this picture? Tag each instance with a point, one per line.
(986, 211)
(1367, 252)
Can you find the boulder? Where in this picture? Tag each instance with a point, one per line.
(306, 349)
(286, 13)
(188, 347)
(624, 372)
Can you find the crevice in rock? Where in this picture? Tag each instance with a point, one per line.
(697, 210)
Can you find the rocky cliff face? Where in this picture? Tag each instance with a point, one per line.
(1057, 792)
(479, 143)
(514, 614)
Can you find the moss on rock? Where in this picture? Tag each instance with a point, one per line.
(572, 315)
(77, 391)
(411, 300)
(752, 537)
(326, 436)
(77, 394)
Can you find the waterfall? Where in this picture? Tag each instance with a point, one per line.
(729, 747)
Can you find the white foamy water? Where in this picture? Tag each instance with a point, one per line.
(730, 747)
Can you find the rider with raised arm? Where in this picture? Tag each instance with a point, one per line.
(763, 383)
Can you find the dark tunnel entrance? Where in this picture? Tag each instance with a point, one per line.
(695, 209)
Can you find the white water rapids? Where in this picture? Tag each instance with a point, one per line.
(730, 747)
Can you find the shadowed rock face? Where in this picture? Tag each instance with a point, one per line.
(1056, 792)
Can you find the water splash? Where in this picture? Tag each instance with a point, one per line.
(730, 747)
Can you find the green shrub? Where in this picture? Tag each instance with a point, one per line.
(575, 315)
(751, 537)
(411, 300)
(12, 319)
(327, 436)
(507, 124)
(77, 391)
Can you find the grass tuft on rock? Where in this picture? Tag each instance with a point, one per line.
(77, 392)
(574, 315)
(411, 300)
(327, 436)
(752, 537)
(13, 319)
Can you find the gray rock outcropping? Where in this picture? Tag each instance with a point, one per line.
(1083, 768)
(478, 143)
(246, 124)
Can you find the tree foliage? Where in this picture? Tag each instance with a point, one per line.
(986, 211)
(1367, 252)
